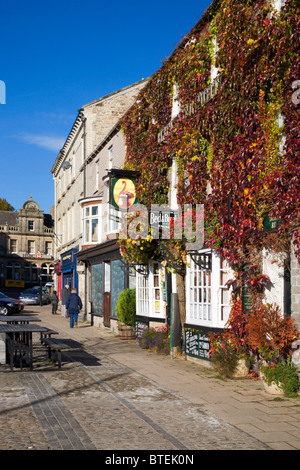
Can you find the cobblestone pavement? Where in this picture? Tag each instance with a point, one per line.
(100, 404)
(97, 402)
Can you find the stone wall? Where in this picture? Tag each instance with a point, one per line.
(103, 114)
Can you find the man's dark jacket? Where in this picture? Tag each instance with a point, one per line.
(73, 304)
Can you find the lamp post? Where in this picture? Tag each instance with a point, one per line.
(41, 290)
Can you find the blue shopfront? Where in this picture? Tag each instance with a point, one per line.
(69, 268)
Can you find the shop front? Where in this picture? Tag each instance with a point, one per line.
(107, 277)
(68, 268)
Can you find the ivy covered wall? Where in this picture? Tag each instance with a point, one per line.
(239, 153)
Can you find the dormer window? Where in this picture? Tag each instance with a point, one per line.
(30, 225)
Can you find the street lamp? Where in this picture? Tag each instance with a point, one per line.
(41, 290)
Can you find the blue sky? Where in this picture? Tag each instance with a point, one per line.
(57, 56)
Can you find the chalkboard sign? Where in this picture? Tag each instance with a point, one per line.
(139, 328)
(196, 344)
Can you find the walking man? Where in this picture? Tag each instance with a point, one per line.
(73, 306)
(64, 294)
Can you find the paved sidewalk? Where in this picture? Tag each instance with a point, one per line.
(241, 403)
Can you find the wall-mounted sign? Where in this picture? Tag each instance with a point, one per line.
(270, 223)
(201, 99)
(196, 344)
(13, 283)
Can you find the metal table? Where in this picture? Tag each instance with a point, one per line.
(18, 319)
(14, 332)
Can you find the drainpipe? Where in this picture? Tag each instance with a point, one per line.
(84, 156)
(83, 119)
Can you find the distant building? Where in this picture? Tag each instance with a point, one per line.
(26, 246)
(77, 173)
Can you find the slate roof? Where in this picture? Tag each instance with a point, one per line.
(9, 218)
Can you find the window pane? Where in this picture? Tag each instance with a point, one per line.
(118, 283)
(94, 230)
(107, 276)
(200, 291)
(95, 210)
(97, 288)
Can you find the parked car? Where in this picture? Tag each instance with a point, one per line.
(46, 294)
(32, 297)
(9, 306)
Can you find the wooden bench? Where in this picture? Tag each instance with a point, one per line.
(55, 345)
(47, 333)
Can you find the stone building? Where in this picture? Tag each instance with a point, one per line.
(106, 275)
(74, 180)
(26, 246)
(182, 121)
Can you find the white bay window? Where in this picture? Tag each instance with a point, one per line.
(91, 224)
(207, 296)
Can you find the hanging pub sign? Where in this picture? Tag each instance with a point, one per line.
(122, 194)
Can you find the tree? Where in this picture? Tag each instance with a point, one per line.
(5, 206)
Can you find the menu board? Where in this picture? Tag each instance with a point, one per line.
(139, 328)
(196, 344)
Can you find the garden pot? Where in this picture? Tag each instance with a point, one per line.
(242, 369)
(273, 388)
(126, 332)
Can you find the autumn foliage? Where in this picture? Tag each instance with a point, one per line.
(270, 334)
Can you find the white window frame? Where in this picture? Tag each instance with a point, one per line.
(142, 295)
(113, 225)
(212, 316)
(88, 216)
(175, 103)
(149, 299)
(173, 185)
(30, 224)
(213, 69)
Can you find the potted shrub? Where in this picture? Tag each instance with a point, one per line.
(270, 336)
(126, 313)
(281, 378)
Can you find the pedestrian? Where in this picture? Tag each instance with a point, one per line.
(54, 302)
(73, 306)
(64, 294)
